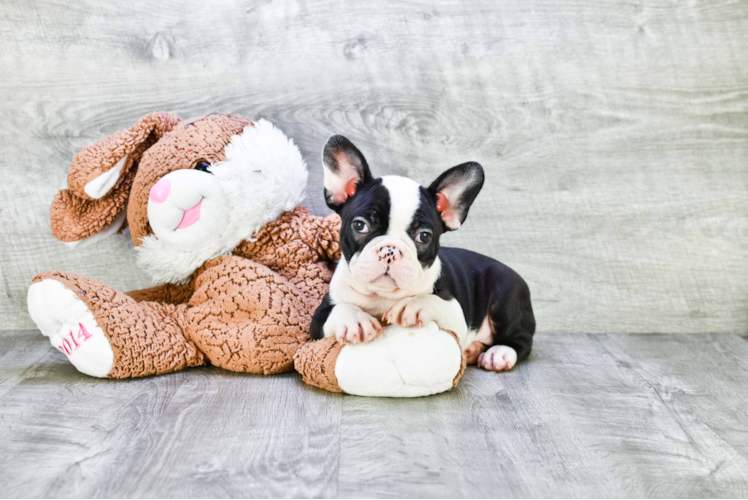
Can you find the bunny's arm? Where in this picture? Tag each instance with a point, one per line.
(321, 234)
(293, 238)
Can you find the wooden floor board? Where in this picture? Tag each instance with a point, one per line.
(572, 422)
(232, 435)
(586, 416)
(63, 435)
(19, 353)
(702, 382)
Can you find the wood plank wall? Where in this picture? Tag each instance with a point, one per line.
(614, 133)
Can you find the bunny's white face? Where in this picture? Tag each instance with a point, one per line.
(199, 215)
(188, 207)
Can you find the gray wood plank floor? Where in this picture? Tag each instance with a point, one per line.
(586, 416)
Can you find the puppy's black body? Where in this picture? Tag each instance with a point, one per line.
(320, 318)
(485, 287)
(390, 230)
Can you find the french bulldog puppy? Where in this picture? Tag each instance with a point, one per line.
(393, 268)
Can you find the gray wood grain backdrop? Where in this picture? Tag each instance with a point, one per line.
(614, 133)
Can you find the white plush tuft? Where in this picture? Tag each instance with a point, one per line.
(263, 148)
(263, 176)
(168, 264)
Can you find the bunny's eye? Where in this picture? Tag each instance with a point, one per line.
(203, 166)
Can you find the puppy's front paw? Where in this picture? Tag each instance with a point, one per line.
(498, 358)
(350, 325)
(411, 311)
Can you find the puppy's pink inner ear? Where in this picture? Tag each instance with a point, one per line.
(444, 206)
(442, 202)
(348, 190)
(350, 187)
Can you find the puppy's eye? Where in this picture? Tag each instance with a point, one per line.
(423, 237)
(360, 225)
(203, 166)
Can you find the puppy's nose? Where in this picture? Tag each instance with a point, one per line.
(389, 253)
(160, 191)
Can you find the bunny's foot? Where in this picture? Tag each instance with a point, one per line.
(70, 326)
(106, 333)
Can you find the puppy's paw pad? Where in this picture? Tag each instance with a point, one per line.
(498, 358)
(70, 326)
(357, 331)
(410, 312)
(351, 325)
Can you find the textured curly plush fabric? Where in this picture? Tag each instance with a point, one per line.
(300, 247)
(194, 140)
(246, 317)
(74, 215)
(167, 294)
(316, 361)
(249, 311)
(147, 338)
(240, 314)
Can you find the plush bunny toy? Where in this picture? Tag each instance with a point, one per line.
(212, 205)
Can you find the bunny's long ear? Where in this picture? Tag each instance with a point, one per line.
(100, 178)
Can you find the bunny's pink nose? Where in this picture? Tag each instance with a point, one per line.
(160, 191)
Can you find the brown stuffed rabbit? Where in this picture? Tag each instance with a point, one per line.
(212, 205)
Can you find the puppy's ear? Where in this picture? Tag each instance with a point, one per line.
(345, 171)
(454, 192)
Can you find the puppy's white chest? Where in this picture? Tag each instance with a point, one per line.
(373, 304)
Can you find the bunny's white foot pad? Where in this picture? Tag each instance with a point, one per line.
(70, 326)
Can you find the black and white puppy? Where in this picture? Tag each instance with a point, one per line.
(393, 267)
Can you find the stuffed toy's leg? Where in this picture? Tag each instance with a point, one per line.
(402, 362)
(246, 317)
(105, 333)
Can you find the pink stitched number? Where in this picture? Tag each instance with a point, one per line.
(73, 339)
(83, 332)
